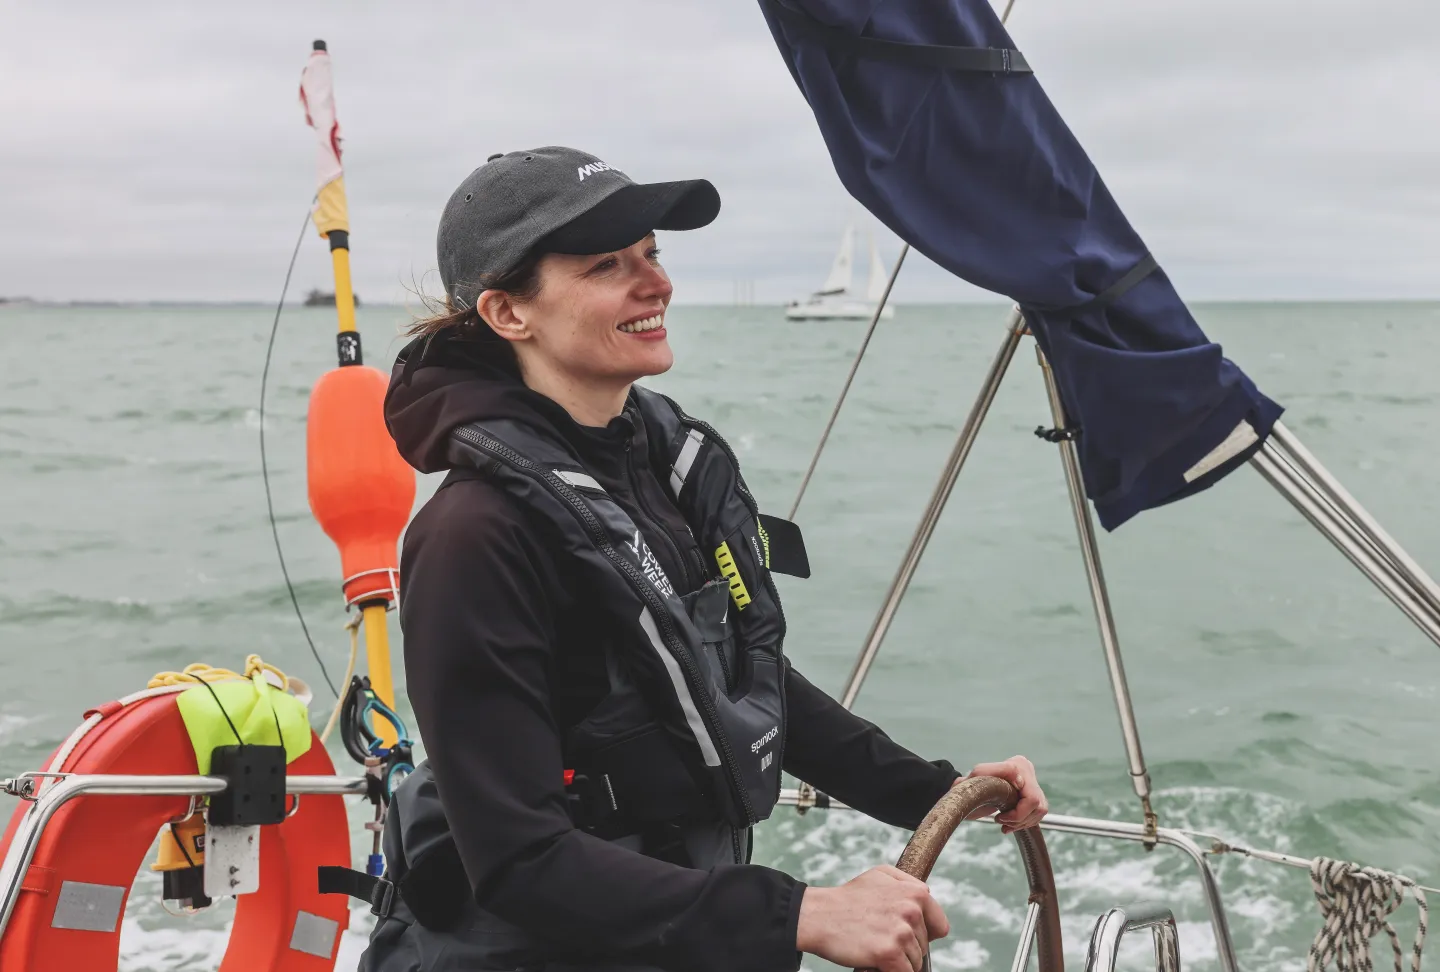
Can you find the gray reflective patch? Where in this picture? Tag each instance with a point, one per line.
(693, 441)
(314, 935)
(88, 907)
(682, 691)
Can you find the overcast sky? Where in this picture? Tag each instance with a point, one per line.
(1265, 148)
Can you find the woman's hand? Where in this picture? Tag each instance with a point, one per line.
(884, 919)
(1032, 805)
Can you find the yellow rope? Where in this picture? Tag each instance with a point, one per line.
(207, 673)
(353, 626)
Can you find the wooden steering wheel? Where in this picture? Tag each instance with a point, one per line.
(964, 799)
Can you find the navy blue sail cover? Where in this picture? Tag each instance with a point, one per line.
(976, 170)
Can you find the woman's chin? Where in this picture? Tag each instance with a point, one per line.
(655, 358)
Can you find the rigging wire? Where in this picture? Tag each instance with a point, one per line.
(845, 389)
(265, 466)
(855, 365)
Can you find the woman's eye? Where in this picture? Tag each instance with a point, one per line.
(653, 254)
(602, 266)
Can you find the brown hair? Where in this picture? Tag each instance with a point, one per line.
(521, 282)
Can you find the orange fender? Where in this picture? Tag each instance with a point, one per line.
(361, 490)
(104, 840)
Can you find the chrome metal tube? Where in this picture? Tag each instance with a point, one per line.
(1014, 330)
(1110, 928)
(32, 826)
(1099, 594)
(326, 785)
(1345, 535)
(1123, 830)
(1027, 938)
(1104, 947)
(849, 380)
(1347, 505)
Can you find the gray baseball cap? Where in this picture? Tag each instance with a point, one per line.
(553, 200)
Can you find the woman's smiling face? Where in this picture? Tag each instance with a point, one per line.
(598, 319)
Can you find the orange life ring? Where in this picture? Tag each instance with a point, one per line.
(286, 926)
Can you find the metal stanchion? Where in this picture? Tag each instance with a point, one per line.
(1100, 599)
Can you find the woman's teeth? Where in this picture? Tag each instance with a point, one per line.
(648, 324)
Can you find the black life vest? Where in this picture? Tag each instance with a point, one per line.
(708, 667)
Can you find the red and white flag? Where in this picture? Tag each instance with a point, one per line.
(317, 96)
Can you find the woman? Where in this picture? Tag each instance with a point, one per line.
(592, 638)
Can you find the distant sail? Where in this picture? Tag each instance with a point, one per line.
(834, 301)
(878, 275)
(840, 271)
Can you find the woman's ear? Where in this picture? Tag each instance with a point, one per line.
(500, 311)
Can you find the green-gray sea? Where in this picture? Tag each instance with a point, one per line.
(1281, 699)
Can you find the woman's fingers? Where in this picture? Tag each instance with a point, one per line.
(915, 951)
(1031, 806)
(936, 924)
(882, 919)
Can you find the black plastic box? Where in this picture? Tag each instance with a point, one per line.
(256, 794)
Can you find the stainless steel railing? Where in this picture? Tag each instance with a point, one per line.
(1111, 927)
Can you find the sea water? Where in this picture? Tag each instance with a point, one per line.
(1281, 700)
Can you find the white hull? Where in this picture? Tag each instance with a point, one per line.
(835, 301)
(847, 311)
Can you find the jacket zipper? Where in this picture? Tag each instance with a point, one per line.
(652, 600)
(754, 507)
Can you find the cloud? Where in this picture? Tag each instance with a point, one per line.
(157, 150)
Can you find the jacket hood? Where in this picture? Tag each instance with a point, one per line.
(442, 382)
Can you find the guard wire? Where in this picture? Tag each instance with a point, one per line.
(265, 465)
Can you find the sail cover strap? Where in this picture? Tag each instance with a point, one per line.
(1119, 288)
(988, 60)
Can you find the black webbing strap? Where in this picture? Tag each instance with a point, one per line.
(1116, 290)
(357, 884)
(988, 60)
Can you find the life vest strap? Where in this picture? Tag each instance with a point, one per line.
(379, 892)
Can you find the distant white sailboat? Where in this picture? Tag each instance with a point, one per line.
(834, 300)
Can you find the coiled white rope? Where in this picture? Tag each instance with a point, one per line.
(1355, 902)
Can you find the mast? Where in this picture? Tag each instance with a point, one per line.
(361, 490)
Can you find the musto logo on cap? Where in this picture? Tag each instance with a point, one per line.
(593, 168)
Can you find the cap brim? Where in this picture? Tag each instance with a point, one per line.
(631, 213)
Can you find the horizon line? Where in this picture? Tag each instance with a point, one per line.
(975, 302)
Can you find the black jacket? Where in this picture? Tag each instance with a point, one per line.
(501, 659)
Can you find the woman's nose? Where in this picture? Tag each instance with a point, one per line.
(653, 282)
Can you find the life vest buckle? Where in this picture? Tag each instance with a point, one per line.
(382, 899)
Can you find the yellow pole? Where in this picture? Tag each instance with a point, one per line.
(377, 634)
(377, 657)
(344, 294)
